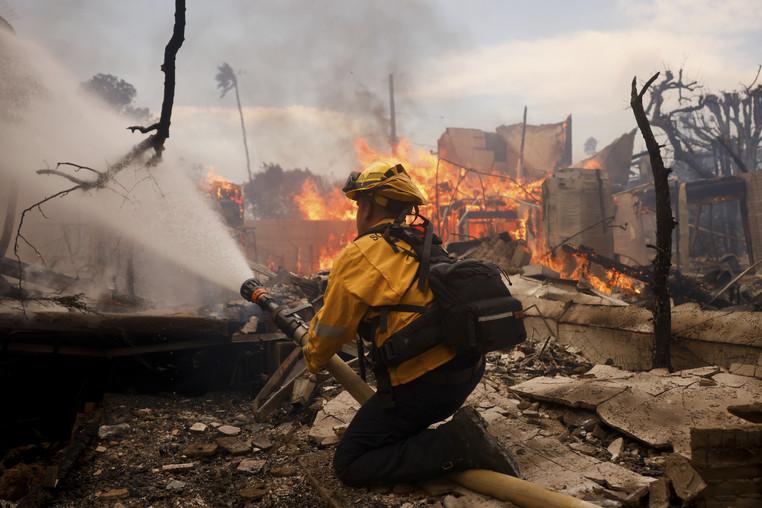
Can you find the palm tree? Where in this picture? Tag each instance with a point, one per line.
(226, 81)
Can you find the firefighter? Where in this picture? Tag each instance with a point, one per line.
(388, 441)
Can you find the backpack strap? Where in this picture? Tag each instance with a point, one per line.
(423, 269)
(382, 321)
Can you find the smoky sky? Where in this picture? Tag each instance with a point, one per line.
(333, 54)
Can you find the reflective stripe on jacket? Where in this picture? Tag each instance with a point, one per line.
(368, 273)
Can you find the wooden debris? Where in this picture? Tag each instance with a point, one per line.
(114, 493)
(276, 379)
(178, 467)
(282, 394)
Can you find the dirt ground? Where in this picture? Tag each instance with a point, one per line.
(129, 469)
(164, 450)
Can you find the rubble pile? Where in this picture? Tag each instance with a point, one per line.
(612, 437)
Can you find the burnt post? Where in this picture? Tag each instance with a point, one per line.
(665, 223)
(393, 140)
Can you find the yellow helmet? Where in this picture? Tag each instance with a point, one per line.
(385, 179)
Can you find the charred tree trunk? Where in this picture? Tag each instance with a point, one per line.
(168, 68)
(243, 131)
(665, 223)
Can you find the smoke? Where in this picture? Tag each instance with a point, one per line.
(154, 221)
(330, 59)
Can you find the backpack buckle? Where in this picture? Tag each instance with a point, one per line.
(387, 352)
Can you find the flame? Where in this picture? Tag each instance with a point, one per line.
(331, 249)
(451, 191)
(577, 267)
(316, 205)
(221, 189)
(590, 164)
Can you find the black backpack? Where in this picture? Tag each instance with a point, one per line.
(473, 310)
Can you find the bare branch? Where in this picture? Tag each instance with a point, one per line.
(754, 81)
(77, 167)
(72, 179)
(20, 236)
(143, 130)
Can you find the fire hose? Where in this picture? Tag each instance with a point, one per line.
(500, 486)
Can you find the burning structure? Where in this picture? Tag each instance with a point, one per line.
(226, 196)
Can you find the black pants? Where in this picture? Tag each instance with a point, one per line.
(391, 445)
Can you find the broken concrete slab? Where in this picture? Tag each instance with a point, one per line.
(335, 413)
(658, 494)
(652, 407)
(198, 427)
(686, 481)
(586, 393)
(262, 442)
(251, 465)
(229, 430)
(200, 449)
(615, 448)
(545, 460)
(302, 389)
(234, 445)
(666, 419)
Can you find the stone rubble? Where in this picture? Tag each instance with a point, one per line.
(541, 400)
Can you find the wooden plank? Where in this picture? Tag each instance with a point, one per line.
(282, 394)
(276, 379)
(245, 338)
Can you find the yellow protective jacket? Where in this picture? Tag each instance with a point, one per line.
(368, 273)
